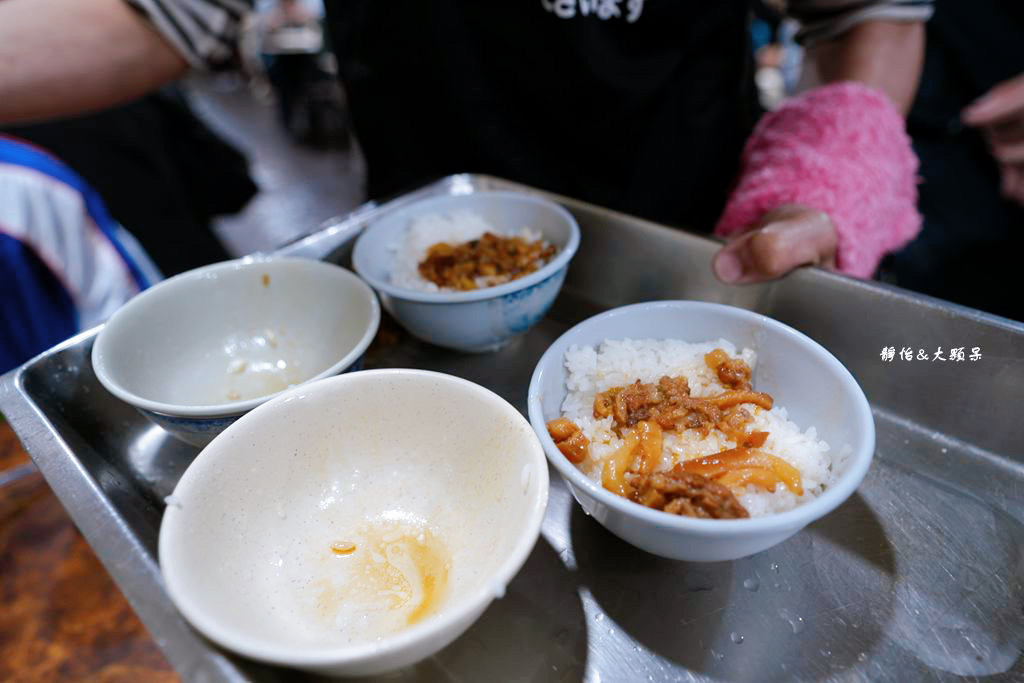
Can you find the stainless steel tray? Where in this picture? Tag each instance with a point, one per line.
(920, 575)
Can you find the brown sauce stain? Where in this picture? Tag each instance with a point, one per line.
(432, 564)
(405, 563)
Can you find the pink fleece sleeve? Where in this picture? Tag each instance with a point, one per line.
(841, 148)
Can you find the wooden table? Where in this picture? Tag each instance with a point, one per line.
(61, 616)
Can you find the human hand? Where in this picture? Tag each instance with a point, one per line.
(790, 236)
(999, 114)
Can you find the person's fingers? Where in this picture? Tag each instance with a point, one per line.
(1006, 132)
(1006, 180)
(1003, 102)
(1008, 154)
(1012, 182)
(787, 239)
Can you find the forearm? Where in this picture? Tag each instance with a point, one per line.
(61, 57)
(886, 55)
(841, 149)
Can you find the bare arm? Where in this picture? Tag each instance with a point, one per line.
(887, 55)
(62, 57)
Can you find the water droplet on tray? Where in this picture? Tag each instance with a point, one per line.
(796, 622)
(751, 584)
(736, 637)
(775, 567)
(862, 657)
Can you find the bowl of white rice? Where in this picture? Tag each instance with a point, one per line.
(492, 309)
(698, 431)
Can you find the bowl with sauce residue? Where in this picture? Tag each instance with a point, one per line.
(357, 524)
(196, 351)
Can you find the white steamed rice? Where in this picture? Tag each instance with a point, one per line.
(616, 363)
(455, 227)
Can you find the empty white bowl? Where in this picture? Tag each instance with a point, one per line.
(482, 319)
(198, 350)
(814, 387)
(408, 474)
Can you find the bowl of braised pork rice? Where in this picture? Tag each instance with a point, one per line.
(700, 431)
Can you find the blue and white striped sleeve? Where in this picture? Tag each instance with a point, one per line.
(64, 264)
(825, 19)
(205, 32)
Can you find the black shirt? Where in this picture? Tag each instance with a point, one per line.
(644, 110)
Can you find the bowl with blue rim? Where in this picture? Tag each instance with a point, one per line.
(199, 350)
(484, 318)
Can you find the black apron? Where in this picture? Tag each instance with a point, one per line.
(638, 106)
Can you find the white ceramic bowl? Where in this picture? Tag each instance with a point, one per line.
(814, 387)
(375, 459)
(483, 319)
(198, 350)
